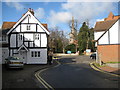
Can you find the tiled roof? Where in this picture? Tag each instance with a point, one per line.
(45, 25)
(6, 26)
(104, 25)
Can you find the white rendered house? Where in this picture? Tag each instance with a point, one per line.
(107, 37)
(27, 39)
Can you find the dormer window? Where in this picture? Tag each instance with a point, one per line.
(28, 27)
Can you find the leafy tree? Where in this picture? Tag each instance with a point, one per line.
(85, 37)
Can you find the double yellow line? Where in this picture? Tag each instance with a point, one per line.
(91, 64)
(42, 81)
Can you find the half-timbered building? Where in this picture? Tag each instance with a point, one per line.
(107, 34)
(27, 39)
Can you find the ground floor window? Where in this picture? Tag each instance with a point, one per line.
(35, 53)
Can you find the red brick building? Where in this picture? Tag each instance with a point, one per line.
(107, 37)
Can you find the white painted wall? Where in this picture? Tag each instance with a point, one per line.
(119, 31)
(31, 19)
(104, 39)
(98, 34)
(25, 20)
(17, 29)
(40, 29)
(43, 40)
(37, 60)
(30, 36)
(114, 33)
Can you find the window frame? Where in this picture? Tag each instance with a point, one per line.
(28, 27)
(35, 54)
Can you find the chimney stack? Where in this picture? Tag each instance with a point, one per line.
(31, 10)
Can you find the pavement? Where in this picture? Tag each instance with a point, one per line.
(112, 69)
(17, 78)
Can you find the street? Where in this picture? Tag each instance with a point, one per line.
(75, 72)
(71, 72)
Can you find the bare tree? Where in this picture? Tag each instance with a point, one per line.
(57, 40)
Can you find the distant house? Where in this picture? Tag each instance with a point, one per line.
(107, 37)
(27, 39)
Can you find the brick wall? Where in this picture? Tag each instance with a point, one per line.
(109, 53)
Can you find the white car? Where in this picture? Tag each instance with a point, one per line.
(14, 62)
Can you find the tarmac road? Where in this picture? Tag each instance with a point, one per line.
(75, 72)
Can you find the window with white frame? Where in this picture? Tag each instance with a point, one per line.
(35, 53)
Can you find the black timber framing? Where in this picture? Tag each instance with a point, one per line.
(40, 39)
(19, 23)
(16, 40)
(29, 47)
(109, 36)
(27, 32)
(29, 23)
(20, 27)
(9, 43)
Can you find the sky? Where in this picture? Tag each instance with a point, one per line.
(58, 14)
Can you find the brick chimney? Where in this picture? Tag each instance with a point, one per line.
(31, 10)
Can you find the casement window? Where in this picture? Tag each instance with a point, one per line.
(35, 53)
(28, 27)
(20, 37)
(37, 37)
(3, 38)
(38, 53)
(32, 54)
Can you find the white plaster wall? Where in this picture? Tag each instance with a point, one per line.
(43, 40)
(114, 31)
(28, 36)
(25, 20)
(5, 54)
(13, 40)
(32, 20)
(104, 39)
(40, 29)
(37, 60)
(98, 34)
(119, 31)
(37, 43)
(17, 29)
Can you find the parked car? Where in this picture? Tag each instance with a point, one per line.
(93, 56)
(14, 62)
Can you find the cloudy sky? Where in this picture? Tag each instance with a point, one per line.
(60, 13)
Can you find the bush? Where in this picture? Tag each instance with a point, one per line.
(71, 48)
